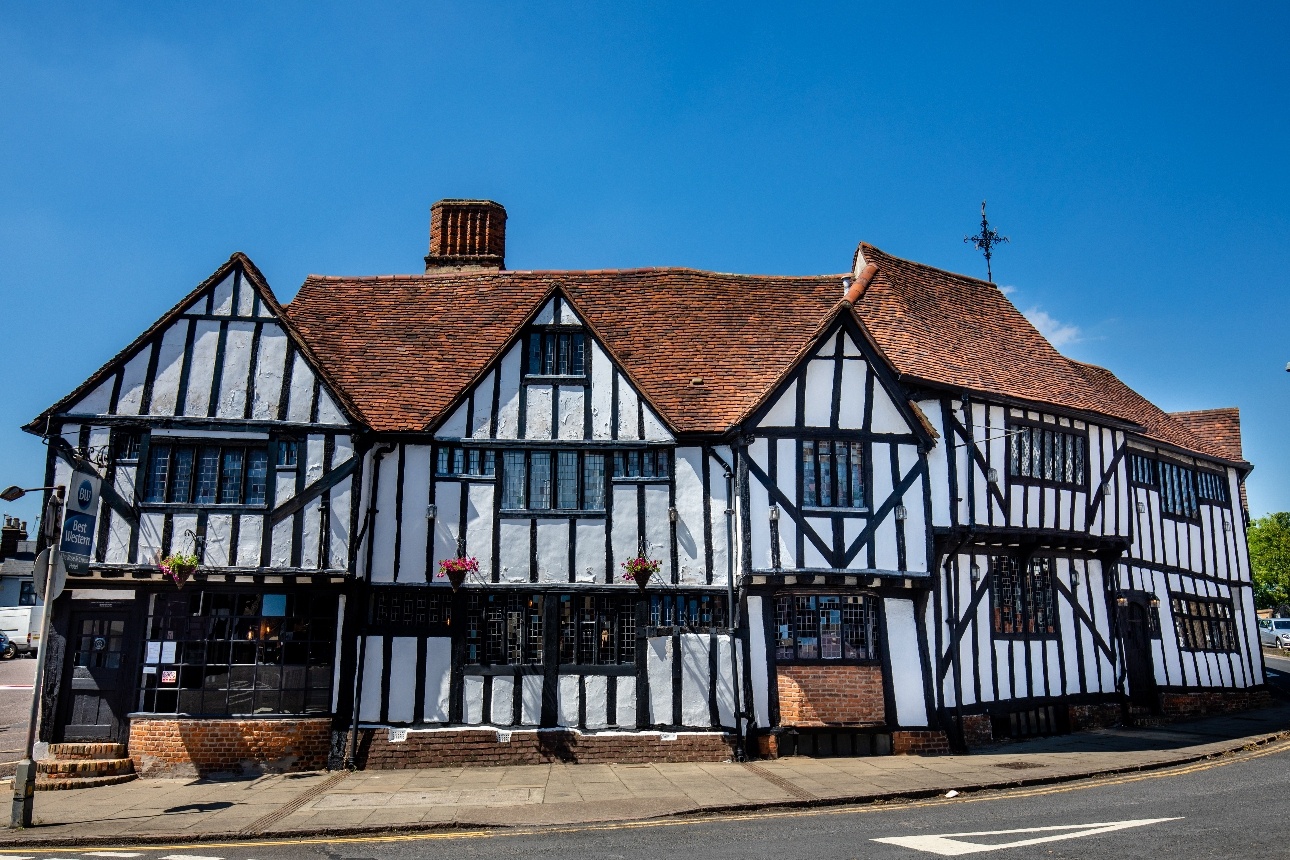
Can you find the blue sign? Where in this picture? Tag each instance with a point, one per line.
(77, 541)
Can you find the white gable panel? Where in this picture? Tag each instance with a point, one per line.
(482, 406)
(131, 396)
(572, 415)
(237, 368)
(508, 409)
(455, 426)
(654, 431)
(537, 412)
(202, 368)
(97, 401)
(849, 347)
(851, 401)
(567, 316)
(268, 373)
(546, 316)
(328, 411)
(245, 299)
(819, 393)
(628, 423)
(886, 417)
(222, 301)
(301, 400)
(602, 392)
(784, 411)
(170, 366)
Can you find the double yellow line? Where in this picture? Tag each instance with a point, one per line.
(1274, 748)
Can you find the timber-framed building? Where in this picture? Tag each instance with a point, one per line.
(888, 516)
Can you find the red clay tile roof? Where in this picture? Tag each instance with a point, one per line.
(1221, 428)
(405, 346)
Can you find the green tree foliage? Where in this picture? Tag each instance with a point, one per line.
(1270, 559)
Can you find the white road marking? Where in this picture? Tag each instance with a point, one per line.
(949, 845)
(13, 857)
(113, 854)
(189, 857)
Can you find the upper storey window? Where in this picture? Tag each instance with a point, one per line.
(1177, 490)
(556, 351)
(191, 474)
(1211, 487)
(832, 474)
(1046, 454)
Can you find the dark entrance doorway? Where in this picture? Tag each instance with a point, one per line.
(1138, 663)
(97, 675)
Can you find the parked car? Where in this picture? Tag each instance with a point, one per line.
(7, 649)
(1275, 632)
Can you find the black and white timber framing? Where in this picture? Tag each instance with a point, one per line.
(934, 503)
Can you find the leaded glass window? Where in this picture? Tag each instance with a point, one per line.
(1022, 600)
(825, 627)
(832, 473)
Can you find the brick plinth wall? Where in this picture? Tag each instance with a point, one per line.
(921, 742)
(830, 696)
(1093, 716)
(1203, 702)
(184, 747)
(977, 730)
(451, 748)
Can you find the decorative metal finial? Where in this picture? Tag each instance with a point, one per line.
(985, 242)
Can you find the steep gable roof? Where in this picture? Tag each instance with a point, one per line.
(405, 346)
(1220, 428)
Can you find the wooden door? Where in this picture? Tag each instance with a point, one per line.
(98, 689)
(1137, 656)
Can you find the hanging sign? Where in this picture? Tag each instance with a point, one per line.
(78, 523)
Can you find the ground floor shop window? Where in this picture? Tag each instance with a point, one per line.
(824, 627)
(1022, 600)
(692, 613)
(597, 630)
(228, 653)
(1203, 624)
(504, 629)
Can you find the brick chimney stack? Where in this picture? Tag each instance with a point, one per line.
(13, 531)
(467, 235)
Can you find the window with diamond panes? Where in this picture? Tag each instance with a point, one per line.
(207, 475)
(229, 654)
(1046, 454)
(1203, 624)
(407, 609)
(560, 480)
(689, 613)
(824, 627)
(597, 630)
(504, 629)
(1022, 600)
(832, 474)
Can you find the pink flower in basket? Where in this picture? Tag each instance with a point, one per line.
(455, 570)
(640, 569)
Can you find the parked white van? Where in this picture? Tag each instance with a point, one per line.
(22, 625)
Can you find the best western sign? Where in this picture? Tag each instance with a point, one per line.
(78, 522)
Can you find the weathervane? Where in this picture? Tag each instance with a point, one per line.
(985, 242)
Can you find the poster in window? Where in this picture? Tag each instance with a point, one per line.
(169, 676)
(167, 652)
(153, 654)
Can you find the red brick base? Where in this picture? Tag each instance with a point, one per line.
(923, 742)
(977, 730)
(1084, 717)
(1200, 703)
(183, 747)
(818, 696)
(528, 746)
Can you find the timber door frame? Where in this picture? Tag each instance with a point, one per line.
(1139, 659)
(119, 731)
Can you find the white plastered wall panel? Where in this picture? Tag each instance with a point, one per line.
(553, 550)
(786, 483)
(269, 367)
(170, 366)
(219, 529)
(938, 466)
(696, 680)
(415, 527)
(886, 417)
(572, 412)
(150, 528)
(906, 663)
(222, 296)
(438, 679)
(722, 530)
(329, 411)
(624, 536)
(369, 705)
(133, 377)
(729, 670)
(819, 393)
(472, 695)
(300, 400)
(280, 549)
(238, 341)
(508, 408)
(479, 526)
(596, 690)
(691, 549)
(531, 700)
(658, 529)
(340, 505)
(403, 674)
(997, 445)
(628, 417)
(653, 429)
(537, 423)
(383, 527)
(118, 548)
(625, 705)
(783, 412)
(658, 669)
(757, 662)
(98, 401)
(514, 562)
(589, 553)
(884, 537)
(250, 539)
(602, 375)
(502, 704)
(759, 504)
(851, 400)
(482, 406)
(447, 522)
(916, 514)
(570, 700)
(546, 316)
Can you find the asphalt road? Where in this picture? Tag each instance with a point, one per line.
(1225, 808)
(16, 677)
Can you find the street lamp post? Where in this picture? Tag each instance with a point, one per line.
(24, 779)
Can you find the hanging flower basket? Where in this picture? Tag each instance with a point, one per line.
(179, 568)
(639, 570)
(455, 570)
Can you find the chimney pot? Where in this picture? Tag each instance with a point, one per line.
(467, 235)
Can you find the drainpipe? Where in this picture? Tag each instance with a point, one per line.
(741, 753)
(362, 643)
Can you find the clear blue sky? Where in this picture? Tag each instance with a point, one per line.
(1137, 158)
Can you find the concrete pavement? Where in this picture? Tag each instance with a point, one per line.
(162, 810)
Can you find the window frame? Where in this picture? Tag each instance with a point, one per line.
(870, 604)
(197, 445)
(555, 332)
(487, 458)
(1014, 428)
(554, 493)
(1027, 586)
(1216, 479)
(853, 443)
(1188, 472)
(649, 454)
(1211, 626)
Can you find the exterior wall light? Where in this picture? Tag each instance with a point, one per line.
(1107, 489)
(1074, 577)
(774, 513)
(902, 512)
(672, 515)
(975, 572)
(432, 511)
(993, 476)
(1142, 507)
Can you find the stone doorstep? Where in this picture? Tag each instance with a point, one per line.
(60, 769)
(82, 751)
